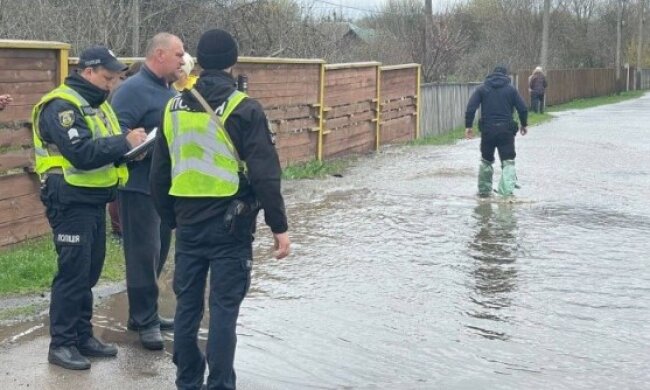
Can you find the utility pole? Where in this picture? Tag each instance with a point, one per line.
(136, 28)
(428, 33)
(619, 22)
(545, 22)
(639, 47)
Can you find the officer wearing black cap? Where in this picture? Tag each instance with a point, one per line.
(214, 167)
(78, 145)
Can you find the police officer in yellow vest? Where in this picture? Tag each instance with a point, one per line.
(214, 166)
(77, 142)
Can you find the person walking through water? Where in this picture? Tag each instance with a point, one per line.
(497, 99)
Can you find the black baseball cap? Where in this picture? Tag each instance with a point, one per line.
(100, 56)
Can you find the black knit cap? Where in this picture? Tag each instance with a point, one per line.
(503, 69)
(216, 50)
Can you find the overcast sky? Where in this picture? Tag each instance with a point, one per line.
(358, 8)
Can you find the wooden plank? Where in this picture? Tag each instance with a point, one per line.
(18, 185)
(397, 130)
(41, 87)
(286, 101)
(28, 63)
(16, 159)
(291, 112)
(397, 103)
(294, 125)
(23, 229)
(23, 99)
(349, 120)
(14, 112)
(350, 109)
(16, 208)
(350, 97)
(15, 137)
(353, 140)
(397, 114)
(27, 53)
(292, 141)
(16, 76)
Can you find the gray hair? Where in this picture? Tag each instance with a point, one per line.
(160, 40)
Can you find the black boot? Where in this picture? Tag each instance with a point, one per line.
(96, 348)
(68, 357)
(165, 324)
(151, 338)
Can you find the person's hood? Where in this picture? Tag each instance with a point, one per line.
(497, 80)
(214, 85)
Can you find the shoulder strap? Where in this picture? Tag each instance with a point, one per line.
(216, 118)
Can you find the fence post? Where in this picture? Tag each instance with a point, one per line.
(378, 109)
(321, 112)
(418, 93)
(63, 65)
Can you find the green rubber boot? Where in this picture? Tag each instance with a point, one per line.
(485, 172)
(508, 180)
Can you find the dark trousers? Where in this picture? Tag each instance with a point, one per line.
(80, 240)
(146, 246)
(501, 139)
(203, 247)
(114, 212)
(537, 103)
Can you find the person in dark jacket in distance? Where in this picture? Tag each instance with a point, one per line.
(537, 85)
(200, 187)
(78, 144)
(497, 99)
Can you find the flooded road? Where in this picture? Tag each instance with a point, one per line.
(401, 279)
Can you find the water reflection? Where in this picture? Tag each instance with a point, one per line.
(494, 275)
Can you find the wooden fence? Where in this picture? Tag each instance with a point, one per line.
(317, 110)
(27, 71)
(443, 107)
(565, 85)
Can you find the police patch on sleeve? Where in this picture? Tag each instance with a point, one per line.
(66, 118)
(73, 134)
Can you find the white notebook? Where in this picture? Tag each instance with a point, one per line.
(143, 146)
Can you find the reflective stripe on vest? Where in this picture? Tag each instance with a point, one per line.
(48, 157)
(203, 158)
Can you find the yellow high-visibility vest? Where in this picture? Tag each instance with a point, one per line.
(49, 159)
(203, 159)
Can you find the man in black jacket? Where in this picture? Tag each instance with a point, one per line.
(213, 206)
(497, 99)
(78, 143)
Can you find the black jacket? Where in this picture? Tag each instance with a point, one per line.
(74, 141)
(248, 128)
(497, 98)
(139, 102)
(537, 84)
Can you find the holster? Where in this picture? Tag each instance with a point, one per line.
(239, 208)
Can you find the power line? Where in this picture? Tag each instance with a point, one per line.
(357, 8)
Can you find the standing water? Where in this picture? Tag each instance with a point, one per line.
(400, 278)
